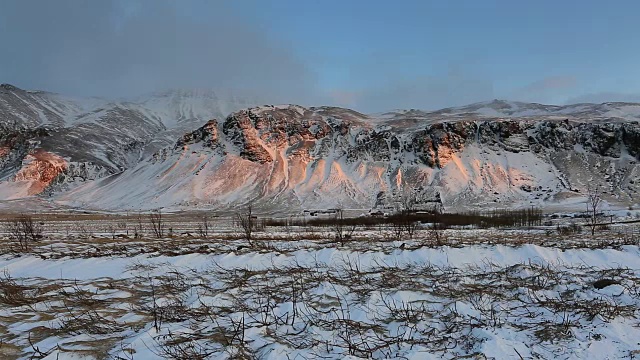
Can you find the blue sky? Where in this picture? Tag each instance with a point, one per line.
(369, 55)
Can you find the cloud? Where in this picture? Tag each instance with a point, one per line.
(386, 88)
(602, 97)
(546, 90)
(343, 97)
(124, 48)
(427, 92)
(112, 48)
(552, 83)
(121, 48)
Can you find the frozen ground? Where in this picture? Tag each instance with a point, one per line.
(87, 290)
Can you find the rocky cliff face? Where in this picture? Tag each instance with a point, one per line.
(207, 135)
(40, 169)
(291, 157)
(15, 145)
(32, 170)
(259, 132)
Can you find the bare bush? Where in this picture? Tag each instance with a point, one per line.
(247, 222)
(569, 229)
(24, 231)
(82, 313)
(112, 230)
(123, 226)
(204, 227)
(14, 294)
(437, 233)
(157, 224)
(410, 226)
(342, 231)
(594, 201)
(84, 231)
(397, 229)
(138, 229)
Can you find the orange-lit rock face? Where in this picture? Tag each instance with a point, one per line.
(260, 132)
(208, 134)
(242, 131)
(41, 168)
(437, 143)
(4, 151)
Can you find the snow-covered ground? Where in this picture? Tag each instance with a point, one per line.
(90, 291)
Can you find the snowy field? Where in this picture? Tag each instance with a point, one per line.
(89, 290)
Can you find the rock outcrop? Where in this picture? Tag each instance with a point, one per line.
(306, 157)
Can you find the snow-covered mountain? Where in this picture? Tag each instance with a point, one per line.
(605, 112)
(144, 154)
(90, 138)
(290, 157)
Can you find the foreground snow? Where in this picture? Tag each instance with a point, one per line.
(297, 300)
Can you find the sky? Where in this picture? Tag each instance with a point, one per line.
(364, 54)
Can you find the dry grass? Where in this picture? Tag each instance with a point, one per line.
(203, 313)
(197, 314)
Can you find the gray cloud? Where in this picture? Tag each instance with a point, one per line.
(551, 83)
(426, 92)
(343, 98)
(604, 97)
(110, 48)
(546, 90)
(122, 48)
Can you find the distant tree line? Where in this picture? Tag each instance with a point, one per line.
(487, 219)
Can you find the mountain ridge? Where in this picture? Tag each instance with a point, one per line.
(166, 151)
(309, 158)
